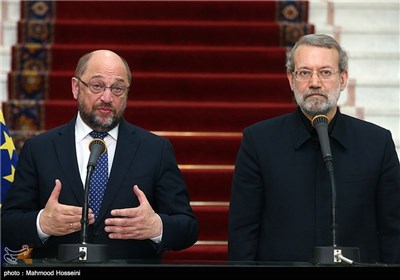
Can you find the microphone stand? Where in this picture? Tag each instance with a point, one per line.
(331, 254)
(85, 252)
(85, 208)
(329, 166)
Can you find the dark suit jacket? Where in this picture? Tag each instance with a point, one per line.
(281, 196)
(141, 158)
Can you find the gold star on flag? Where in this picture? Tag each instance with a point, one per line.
(10, 177)
(8, 144)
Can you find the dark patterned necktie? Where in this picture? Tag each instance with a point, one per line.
(99, 179)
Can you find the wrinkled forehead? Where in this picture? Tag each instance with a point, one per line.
(106, 64)
(316, 57)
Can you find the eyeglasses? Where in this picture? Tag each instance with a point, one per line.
(97, 88)
(305, 75)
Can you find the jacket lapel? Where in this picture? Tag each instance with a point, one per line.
(125, 151)
(68, 160)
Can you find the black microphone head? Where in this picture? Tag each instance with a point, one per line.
(98, 143)
(97, 147)
(319, 120)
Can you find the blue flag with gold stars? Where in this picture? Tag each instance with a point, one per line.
(8, 158)
(8, 163)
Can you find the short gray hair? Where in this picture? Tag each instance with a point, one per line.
(318, 40)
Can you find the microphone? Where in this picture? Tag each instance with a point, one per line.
(89, 253)
(334, 254)
(320, 122)
(97, 147)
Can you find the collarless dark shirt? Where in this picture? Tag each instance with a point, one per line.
(307, 123)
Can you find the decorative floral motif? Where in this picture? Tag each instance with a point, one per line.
(24, 115)
(40, 8)
(292, 11)
(290, 33)
(38, 32)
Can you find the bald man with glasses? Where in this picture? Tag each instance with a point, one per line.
(144, 207)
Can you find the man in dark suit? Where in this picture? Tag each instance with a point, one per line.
(145, 209)
(281, 199)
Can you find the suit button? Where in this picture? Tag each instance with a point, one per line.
(96, 232)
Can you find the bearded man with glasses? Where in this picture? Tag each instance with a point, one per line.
(144, 207)
(285, 203)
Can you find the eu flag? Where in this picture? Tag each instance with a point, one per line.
(8, 163)
(8, 158)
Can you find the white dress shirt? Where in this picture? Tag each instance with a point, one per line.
(82, 141)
